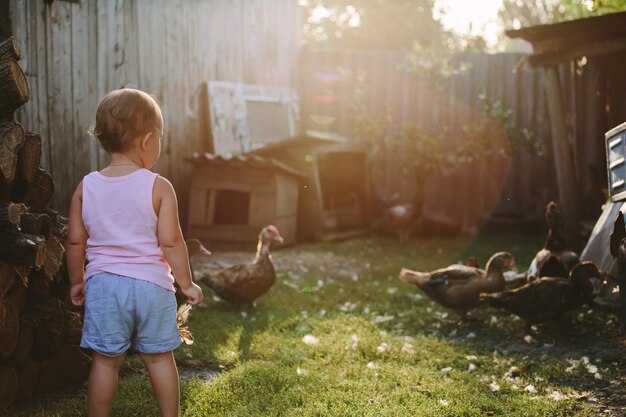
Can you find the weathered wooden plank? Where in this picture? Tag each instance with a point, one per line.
(60, 100)
(82, 105)
(40, 15)
(563, 163)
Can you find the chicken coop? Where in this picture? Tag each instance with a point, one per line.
(234, 197)
(335, 195)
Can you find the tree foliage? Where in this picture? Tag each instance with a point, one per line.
(370, 24)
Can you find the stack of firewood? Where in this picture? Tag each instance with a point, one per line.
(39, 330)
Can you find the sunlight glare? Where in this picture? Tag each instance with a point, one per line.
(470, 18)
(318, 14)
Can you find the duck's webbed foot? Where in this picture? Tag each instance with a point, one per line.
(466, 318)
(571, 327)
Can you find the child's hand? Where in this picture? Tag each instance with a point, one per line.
(77, 294)
(194, 294)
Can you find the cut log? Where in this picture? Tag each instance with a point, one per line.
(11, 141)
(22, 272)
(54, 257)
(60, 230)
(73, 328)
(48, 319)
(22, 249)
(17, 296)
(37, 224)
(38, 285)
(5, 189)
(27, 376)
(11, 215)
(14, 91)
(8, 278)
(9, 327)
(9, 48)
(29, 156)
(37, 195)
(8, 386)
(54, 215)
(60, 369)
(24, 346)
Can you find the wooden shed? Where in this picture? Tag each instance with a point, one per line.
(587, 120)
(234, 197)
(335, 194)
(585, 99)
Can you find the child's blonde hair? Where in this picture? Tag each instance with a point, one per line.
(122, 115)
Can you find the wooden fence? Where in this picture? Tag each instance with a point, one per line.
(519, 189)
(76, 52)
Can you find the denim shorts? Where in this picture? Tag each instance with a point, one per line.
(120, 310)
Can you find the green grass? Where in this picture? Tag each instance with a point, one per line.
(383, 349)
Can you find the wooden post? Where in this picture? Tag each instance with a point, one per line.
(565, 173)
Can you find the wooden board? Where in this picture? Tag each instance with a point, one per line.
(597, 248)
(244, 117)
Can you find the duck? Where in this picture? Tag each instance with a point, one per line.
(195, 249)
(554, 259)
(617, 245)
(242, 284)
(512, 278)
(472, 261)
(403, 218)
(458, 287)
(547, 298)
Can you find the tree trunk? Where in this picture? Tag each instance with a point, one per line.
(14, 91)
(37, 195)
(9, 327)
(29, 156)
(11, 141)
(37, 224)
(22, 249)
(9, 48)
(8, 386)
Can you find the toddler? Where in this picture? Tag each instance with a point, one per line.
(124, 223)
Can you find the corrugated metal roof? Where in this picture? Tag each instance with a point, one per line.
(247, 160)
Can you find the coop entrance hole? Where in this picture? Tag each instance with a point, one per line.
(232, 207)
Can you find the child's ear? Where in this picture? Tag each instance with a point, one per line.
(144, 141)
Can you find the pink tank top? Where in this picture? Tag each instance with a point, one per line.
(119, 218)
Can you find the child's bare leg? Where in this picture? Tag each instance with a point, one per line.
(164, 377)
(103, 383)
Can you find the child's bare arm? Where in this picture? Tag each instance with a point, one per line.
(171, 239)
(76, 246)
